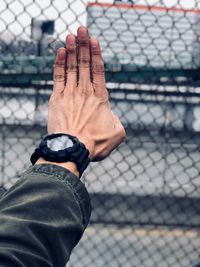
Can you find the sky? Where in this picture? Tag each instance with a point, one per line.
(72, 14)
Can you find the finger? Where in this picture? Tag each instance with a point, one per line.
(71, 64)
(83, 55)
(59, 71)
(98, 73)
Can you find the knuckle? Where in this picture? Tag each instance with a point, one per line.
(60, 58)
(84, 42)
(96, 51)
(102, 95)
(98, 68)
(58, 68)
(71, 67)
(59, 77)
(71, 50)
(59, 64)
(84, 62)
(59, 74)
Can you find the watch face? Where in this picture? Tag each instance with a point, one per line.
(59, 143)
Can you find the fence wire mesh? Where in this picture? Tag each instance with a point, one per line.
(145, 196)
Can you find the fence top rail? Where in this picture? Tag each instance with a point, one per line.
(144, 7)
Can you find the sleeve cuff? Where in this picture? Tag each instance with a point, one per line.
(70, 180)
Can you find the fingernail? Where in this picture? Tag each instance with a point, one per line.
(71, 39)
(82, 31)
(82, 28)
(94, 44)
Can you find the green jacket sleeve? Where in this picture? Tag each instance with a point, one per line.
(42, 218)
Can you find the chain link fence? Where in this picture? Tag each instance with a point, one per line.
(145, 196)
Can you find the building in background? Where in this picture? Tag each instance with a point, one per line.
(146, 36)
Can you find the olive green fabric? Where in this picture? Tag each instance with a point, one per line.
(42, 218)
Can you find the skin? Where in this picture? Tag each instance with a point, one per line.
(79, 102)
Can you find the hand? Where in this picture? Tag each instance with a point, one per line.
(79, 102)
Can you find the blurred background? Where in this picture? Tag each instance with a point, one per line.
(146, 195)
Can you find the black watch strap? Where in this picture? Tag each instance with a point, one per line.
(35, 156)
(80, 156)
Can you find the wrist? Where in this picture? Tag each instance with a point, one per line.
(71, 166)
(63, 150)
(88, 144)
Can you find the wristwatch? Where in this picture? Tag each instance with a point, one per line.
(61, 147)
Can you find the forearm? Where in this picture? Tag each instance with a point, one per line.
(42, 218)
